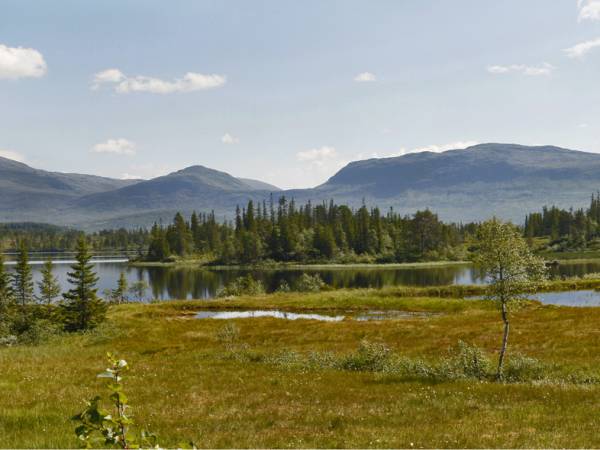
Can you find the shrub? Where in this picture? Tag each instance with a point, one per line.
(309, 283)
(242, 286)
(468, 362)
(8, 340)
(228, 336)
(39, 332)
(524, 368)
(283, 287)
(372, 357)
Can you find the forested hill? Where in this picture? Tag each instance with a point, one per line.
(472, 184)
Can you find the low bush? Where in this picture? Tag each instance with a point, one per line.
(523, 368)
(242, 286)
(371, 357)
(309, 283)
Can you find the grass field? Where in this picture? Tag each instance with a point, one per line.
(183, 387)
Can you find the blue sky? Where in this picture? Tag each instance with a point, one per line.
(290, 91)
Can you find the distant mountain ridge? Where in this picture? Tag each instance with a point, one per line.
(506, 180)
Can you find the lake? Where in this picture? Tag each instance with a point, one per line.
(166, 283)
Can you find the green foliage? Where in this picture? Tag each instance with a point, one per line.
(370, 357)
(325, 232)
(49, 287)
(114, 427)
(138, 289)
(22, 278)
(522, 368)
(512, 270)
(82, 308)
(467, 362)
(6, 291)
(39, 331)
(309, 283)
(242, 286)
(506, 260)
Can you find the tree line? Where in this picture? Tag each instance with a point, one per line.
(287, 232)
(51, 238)
(576, 226)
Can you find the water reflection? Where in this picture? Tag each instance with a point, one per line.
(275, 314)
(167, 283)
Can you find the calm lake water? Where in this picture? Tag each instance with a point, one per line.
(166, 283)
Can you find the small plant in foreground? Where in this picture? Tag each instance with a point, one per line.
(101, 428)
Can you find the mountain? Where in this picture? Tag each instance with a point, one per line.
(260, 185)
(505, 180)
(195, 188)
(32, 194)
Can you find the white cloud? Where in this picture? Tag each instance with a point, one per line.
(124, 85)
(117, 146)
(435, 148)
(582, 49)
(583, 125)
(10, 154)
(589, 9)
(107, 76)
(365, 77)
(542, 69)
(19, 62)
(317, 155)
(128, 176)
(229, 139)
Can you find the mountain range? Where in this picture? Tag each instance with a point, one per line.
(505, 180)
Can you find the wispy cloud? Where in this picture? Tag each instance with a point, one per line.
(317, 155)
(542, 69)
(19, 62)
(582, 49)
(107, 76)
(589, 9)
(116, 146)
(229, 139)
(434, 148)
(123, 84)
(11, 154)
(365, 77)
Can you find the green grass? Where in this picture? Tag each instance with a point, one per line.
(182, 387)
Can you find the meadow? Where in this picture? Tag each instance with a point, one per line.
(185, 385)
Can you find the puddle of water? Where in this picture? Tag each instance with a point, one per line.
(570, 298)
(362, 317)
(563, 298)
(391, 315)
(274, 314)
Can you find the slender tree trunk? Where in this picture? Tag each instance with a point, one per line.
(504, 341)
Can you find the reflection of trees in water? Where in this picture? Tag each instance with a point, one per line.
(180, 283)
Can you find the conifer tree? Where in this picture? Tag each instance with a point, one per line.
(82, 308)
(22, 278)
(119, 294)
(6, 292)
(49, 287)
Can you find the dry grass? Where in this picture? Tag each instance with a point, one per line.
(182, 387)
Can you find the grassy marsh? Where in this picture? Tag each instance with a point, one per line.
(182, 387)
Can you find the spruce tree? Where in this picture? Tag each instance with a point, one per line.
(82, 308)
(6, 292)
(119, 293)
(49, 287)
(22, 278)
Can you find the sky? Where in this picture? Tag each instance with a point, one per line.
(289, 91)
